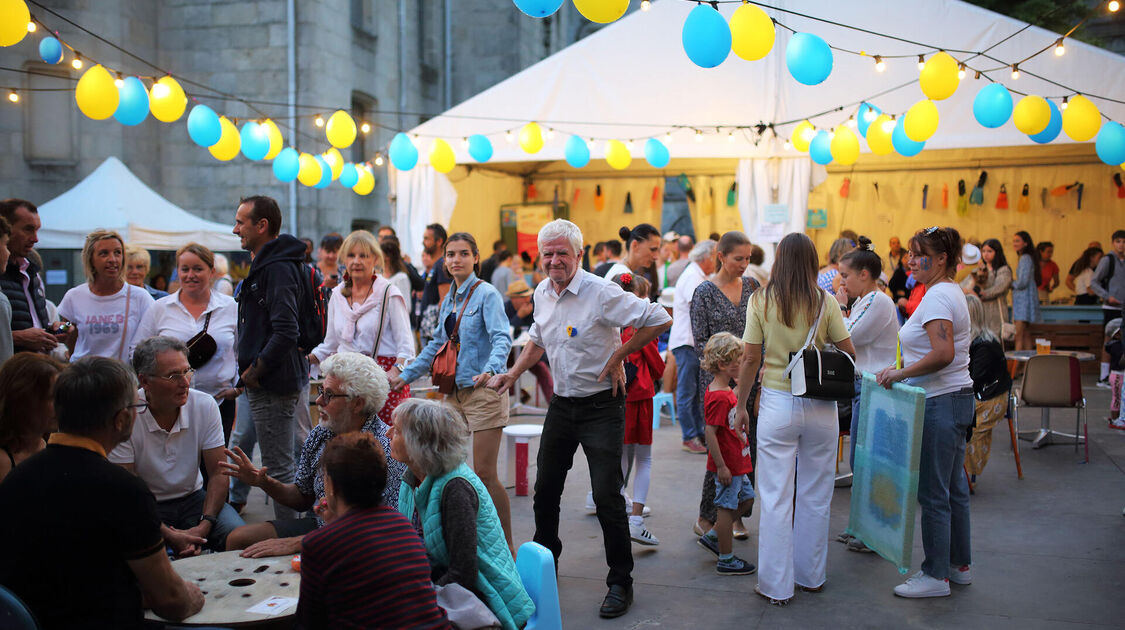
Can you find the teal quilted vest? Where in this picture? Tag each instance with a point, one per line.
(497, 579)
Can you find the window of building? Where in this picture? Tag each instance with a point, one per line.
(363, 108)
(49, 117)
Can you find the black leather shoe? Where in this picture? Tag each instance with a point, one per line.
(617, 601)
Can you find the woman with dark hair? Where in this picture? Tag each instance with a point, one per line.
(795, 500)
(1082, 273)
(1025, 288)
(642, 244)
(935, 356)
(473, 312)
(27, 410)
(394, 267)
(991, 281)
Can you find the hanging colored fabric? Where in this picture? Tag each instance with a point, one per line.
(846, 187)
(962, 200)
(532, 193)
(628, 203)
(925, 193)
(1120, 186)
(1081, 187)
(977, 196)
(685, 183)
(1002, 198)
(945, 196)
(599, 198)
(574, 199)
(1024, 204)
(1043, 197)
(732, 195)
(655, 197)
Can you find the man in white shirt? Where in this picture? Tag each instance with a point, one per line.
(689, 400)
(684, 245)
(578, 321)
(176, 428)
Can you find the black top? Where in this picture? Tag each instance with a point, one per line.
(988, 368)
(603, 269)
(71, 521)
(487, 266)
(518, 323)
(11, 282)
(437, 277)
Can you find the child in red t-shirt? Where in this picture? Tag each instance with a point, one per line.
(728, 452)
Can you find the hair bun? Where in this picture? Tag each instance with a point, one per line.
(624, 233)
(865, 244)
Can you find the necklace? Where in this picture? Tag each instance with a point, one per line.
(861, 313)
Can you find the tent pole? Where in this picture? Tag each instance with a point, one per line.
(291, 62)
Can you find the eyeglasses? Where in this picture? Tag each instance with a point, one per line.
(176, 376)
(140, 407)
(327, 395)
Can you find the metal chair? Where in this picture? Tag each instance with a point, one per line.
(14, 614)
(1052, 382)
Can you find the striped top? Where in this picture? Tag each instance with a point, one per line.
(367, 569)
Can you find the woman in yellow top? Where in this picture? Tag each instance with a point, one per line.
(793, 534)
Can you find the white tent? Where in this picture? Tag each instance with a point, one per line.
(112, 197)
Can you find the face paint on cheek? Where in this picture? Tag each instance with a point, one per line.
(925, 263)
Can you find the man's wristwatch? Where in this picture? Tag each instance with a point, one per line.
(210, 519)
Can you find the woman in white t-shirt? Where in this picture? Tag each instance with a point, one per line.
(935, 352)
(642, 244)
(106, 312)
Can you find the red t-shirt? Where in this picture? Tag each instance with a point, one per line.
(716, 410)
(1048, 270)
(649, 368)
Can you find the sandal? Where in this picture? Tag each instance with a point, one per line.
(772, 601)
(844, 537)
(740, 533)
(811, 589)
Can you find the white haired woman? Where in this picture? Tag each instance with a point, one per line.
(463, 534)
(137, 265)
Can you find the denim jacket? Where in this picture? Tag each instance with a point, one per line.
(484, 334)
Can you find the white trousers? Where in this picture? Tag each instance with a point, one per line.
(797, 440)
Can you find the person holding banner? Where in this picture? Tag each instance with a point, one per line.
(935, 356)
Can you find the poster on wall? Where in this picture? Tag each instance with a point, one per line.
(771, 228)
(818, 219)
(520, 224)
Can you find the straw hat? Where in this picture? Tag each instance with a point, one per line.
(970, 254)
(519, 288)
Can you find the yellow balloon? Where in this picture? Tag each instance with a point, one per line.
(844, 146)
(167, 100)
(340, 129)
(277, 143)
(14, 17)
(879, 135)
(95, 93)
(366, 182)
(803, 134)
(1081, 119)
(752, 32)
(939, 78)
(335, 162)
(308, 172)
(601, 11)
(921, 121)
(229, 142)
(441, 156)
(531, 138)
(1032, 114)
(617, 154)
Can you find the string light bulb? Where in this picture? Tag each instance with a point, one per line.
(1015, 71)
(977, 75)
(365, 127)
(788, 145)
(378, 159)
(1113, 6)
(550, 133)
(464, 143)
(645, 5)
(119, 81)
(921, 62)
(668, 137)
(852, 122)
(961, 71)
(629, 145)
(31, 27)
(730, 137)
(1063, 106)
(318, 121)
(889, 125)
(869, 115)
(160, 90)
(77, 62)
(880, 65)
(698, 136)
(508, 136)
(1060, 50)
(14, 96)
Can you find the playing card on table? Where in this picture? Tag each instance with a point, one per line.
(273, 605)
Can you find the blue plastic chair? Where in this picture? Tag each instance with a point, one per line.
(536, 567)
(15, 615)
(658, 402)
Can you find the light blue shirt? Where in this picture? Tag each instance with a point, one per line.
(484, 334)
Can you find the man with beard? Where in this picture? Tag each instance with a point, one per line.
(437, 280)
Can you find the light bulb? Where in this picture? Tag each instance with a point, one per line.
(508, 136)
(378, 159)
(365, 127)
(869, 115)
(921, 62)
(464, 143)
(416, 137)
(788, 145)
(31, 27)
(808, 134)
(1113, 6)
(14, 96)
(880, 65)
(698, 136)
(319, 120)
(961, 71)
(550, 133)
(851, 122)
(1015, 71)
(1060, 50)
(629, 145)
(119, 81)
(645, 5)
(1063, 106)
(159, 90)
(730, 137)
(888, 125)
(77, 63)
(668, 137)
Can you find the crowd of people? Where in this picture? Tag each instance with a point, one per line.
(137, 411)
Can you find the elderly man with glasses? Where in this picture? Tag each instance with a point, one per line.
(176, 427)
(354, 390)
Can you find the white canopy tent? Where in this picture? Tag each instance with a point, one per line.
(113, 198)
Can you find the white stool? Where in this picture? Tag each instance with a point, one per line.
(517, 451)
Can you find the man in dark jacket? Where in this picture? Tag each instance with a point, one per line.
(20, 280)
(273, 368)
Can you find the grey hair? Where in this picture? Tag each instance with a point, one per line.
(561, 228)
(839, 247)
(360, 376)
(436, 437)
(144, 355)
(703, 250)
(222, 265)
(978, 327)
(90, 392)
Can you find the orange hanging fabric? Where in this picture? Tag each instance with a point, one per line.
(1002, 198)
(599, 198)
(945, 196)
(1024, 204)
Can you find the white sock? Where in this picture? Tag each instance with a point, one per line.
(1105, 371)
(636, 520)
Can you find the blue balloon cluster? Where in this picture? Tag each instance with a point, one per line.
(656, 153)
(50, 50)
(255, 141)
(1053, 127)
(537, 9)
(903, 144)
(132, 102)
(204, 128)
(576, 152)
(403, 153)
(325, 173)
(349, 176)
(820, 149)
(861, 117)
(706, 37)
(992, 106)
(1110, 144)
(480, 147)
(287, 164)
(808, 58)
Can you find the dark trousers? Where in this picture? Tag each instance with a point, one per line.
(597, 424)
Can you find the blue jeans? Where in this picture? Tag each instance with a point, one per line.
(688, 397)
(246, 438)
(184, 513)
(275, 420)
(943, 492)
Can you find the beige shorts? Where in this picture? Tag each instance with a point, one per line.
(482, 407)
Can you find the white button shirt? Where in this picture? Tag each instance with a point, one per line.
(169, 317)
(686, 285)
(581, 328)
(168, 461)
(397, 339)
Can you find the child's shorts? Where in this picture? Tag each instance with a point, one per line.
(728, 497)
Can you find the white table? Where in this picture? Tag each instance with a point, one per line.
(1042, 437)
(517, 407)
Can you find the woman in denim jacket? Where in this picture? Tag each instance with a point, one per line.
(485, 341)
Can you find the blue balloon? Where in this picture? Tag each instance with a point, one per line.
(1110, 144)
(576, 152)
(287, 164)
(1053, 127)
(132, 102)
(820, 149)
(404, 155)
(349, 176)
(992, 106)
(480, 148)
(809, 58)
(537, 9)
(325, 173)
(50, 50)
(203, 126)
(656, 153)
(861, 117)
(706, 36)
(255, 141)
(902, 143)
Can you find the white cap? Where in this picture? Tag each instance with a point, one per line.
(666, 296)
(970, 254)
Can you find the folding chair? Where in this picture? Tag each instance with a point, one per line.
(1052, 381)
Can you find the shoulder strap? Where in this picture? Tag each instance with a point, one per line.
(382, 318)
(808, 340)
(457, 326)
(125, 326)
(207, 321)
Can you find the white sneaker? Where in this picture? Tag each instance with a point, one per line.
(961, 575)
(921, 585)
(592, 507)
(640, 535)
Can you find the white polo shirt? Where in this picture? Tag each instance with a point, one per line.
(168, 461)
(690, 279)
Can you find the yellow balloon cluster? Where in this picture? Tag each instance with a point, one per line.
(309, 172)
(95, 93)
(1081, 119)
(601, 11)
(442, 158)
(617, 154)
(752, 32)
(531, 138)
(229, 142)
(844, 146)
(277, 143)
(366, 181)
(167, 100)
(803, 134)
(921, 121)
(340, 129)
(879, 135)
(14, 17)
(335, 162)
(1031, 115)
(939, 78)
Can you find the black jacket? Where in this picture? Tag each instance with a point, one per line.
(11, 282)
(988, 368)
(268, 321)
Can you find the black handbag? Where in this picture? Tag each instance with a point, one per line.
(201, 347)
(821, 374)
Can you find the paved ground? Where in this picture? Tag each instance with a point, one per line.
(1049, 551)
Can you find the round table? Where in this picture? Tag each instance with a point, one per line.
(1023, 355)
(1042, 436)
(231, 584)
